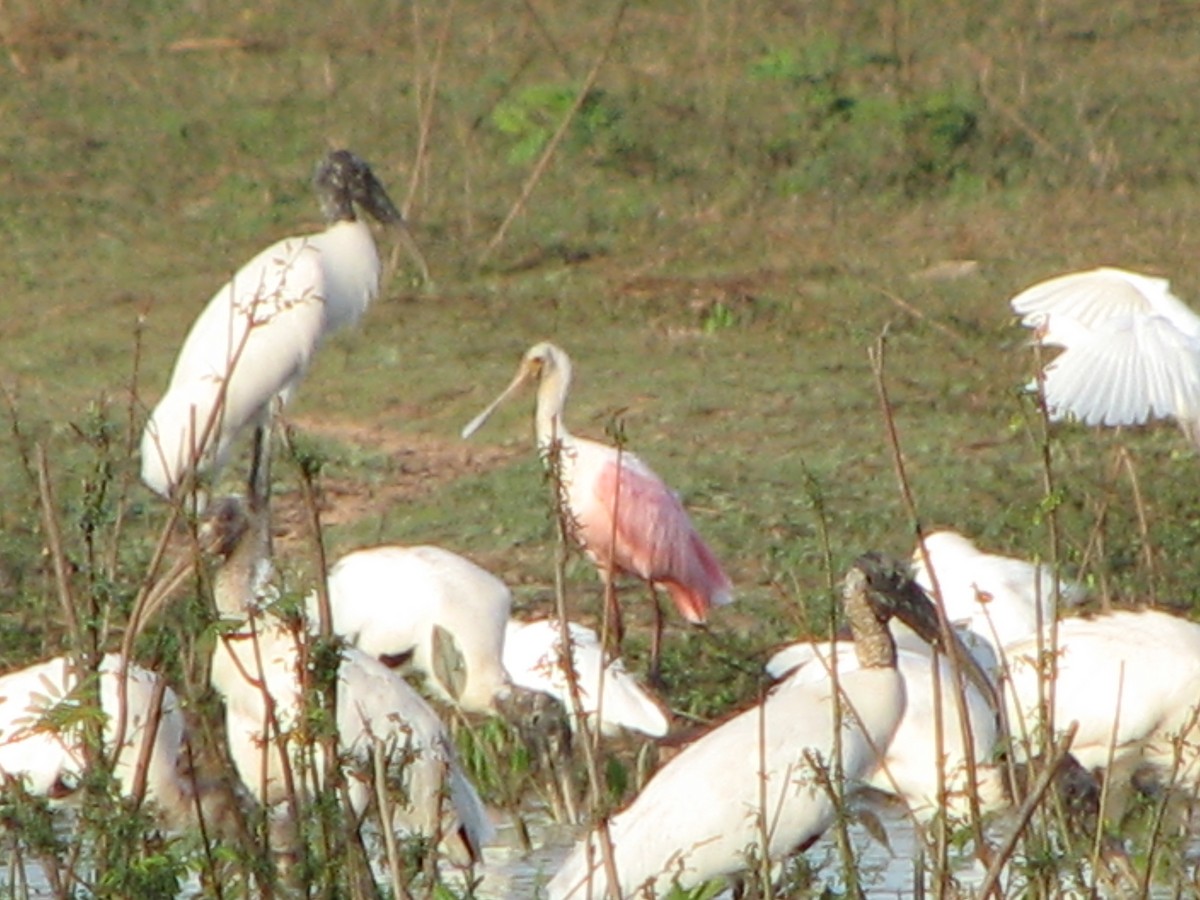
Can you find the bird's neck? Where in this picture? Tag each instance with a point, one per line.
(873, 643)
(351, 269)
(239, 581)
(548, 418)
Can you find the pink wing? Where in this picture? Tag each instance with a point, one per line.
(654, 537)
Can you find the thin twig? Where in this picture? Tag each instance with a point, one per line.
(543, 162)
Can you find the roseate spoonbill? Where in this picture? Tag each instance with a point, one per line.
(534, 659)
(750, 788)
(997, 598)
(1130, 678)
(624, 516)
(258, 667)
(253, 342)
(49, 758)
(1131, 348)
(438, 607)
(910, 766)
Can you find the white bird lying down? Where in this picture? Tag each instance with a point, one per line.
(255, 339)
(1131, 349)
(49, 760)
(1131, 679)
(428, 603)
(534, 660)
(751, 787)
(910, 765)
(998, 598)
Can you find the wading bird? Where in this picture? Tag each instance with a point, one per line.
(253, 342)
(608, 695)
(998, 599)
(1129, 678)
(431, 605)
(42, 708)
(624, 516)
(751, 789)
(259, 667)
(910, 766)
(449, 618)
(1131, 348)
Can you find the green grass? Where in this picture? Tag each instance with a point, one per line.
(749, 201)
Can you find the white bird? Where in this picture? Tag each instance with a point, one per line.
(42, 709)
(253, 342)
(450, 618)
(706, 813)
(534, 659)
(999, 599)
(624, 515)
(910, 765)
(445, 611)
(1131, 679)
(259, 669)
(1131, 348)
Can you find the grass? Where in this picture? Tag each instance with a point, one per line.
(749, 198)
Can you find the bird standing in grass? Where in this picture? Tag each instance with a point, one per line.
(624, 516)
(253, 342)
(756, 788)
(1131, 348)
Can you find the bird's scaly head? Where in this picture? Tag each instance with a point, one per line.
(225, 525)
(342, 180)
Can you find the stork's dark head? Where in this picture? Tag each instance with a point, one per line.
(343, 180)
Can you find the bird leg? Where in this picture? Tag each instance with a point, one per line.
(654, 670)
(613, 626)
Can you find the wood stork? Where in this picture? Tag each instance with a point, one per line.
(909, 768)
(750, 788)
(1131, 348)
(42, 740)
(999, 599)
(438, 607)
(253, 342)
(608, 695)
(451, 618)
(624, 516)
(1129, 678)
(258, 667)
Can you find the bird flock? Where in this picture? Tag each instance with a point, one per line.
(959, 664)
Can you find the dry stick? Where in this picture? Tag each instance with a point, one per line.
(385, 818)
(1106, 783)
(952, 652)
(426, 105)
(958, 342)
(57, 555)
(544, 161)
(565, 522)
(1139, 506)
(990, 883)
(539, 26)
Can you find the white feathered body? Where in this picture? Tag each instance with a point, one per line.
(390, 600)
(253, 342)
(50, 760)
(910, 765)
(258, 672)
(702, 815)
(1131, 348)
(1131, 679)
(534, 659)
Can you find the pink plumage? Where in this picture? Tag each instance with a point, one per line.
(652, 537)
(625, 517)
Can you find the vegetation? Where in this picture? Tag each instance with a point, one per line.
(746, 200)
